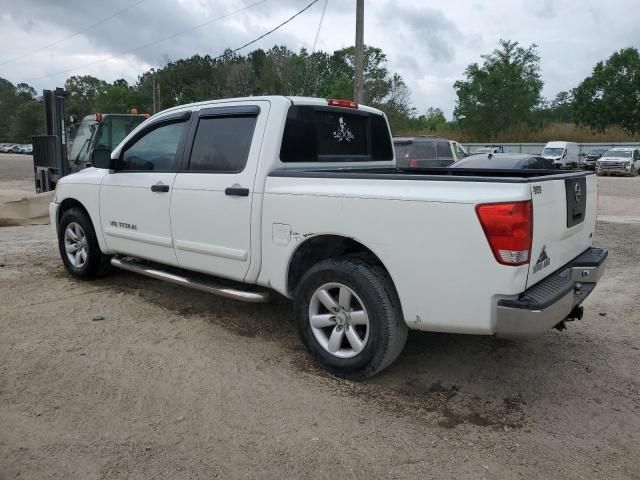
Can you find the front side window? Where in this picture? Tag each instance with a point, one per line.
(222, 144)
(155, 151)
(460, 153)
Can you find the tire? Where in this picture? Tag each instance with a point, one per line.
(372, 292)
(79, 247)
(633, 172)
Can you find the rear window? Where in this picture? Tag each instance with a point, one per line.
(324, 134)
(403, 150)
(222, 144)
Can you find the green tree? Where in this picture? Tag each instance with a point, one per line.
(83, 91)
(27, 121)
(501, 93)
(611, 94)
(118, 97)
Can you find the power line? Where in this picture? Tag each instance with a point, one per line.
(20, 57)
(270, 31)
(315, 42)
(135, 49)
(226, 53)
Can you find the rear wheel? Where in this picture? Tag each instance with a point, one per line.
(349, 317)
(79, 247)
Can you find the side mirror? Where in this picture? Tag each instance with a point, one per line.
(101, 158)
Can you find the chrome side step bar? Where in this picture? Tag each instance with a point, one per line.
(190, 280)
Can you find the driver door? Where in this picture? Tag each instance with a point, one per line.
(135, 196)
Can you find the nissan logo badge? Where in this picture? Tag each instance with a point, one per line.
(577, 192)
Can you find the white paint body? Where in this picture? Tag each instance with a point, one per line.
(569, 156)
(425, 232)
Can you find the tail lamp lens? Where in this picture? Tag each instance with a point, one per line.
(508, 228)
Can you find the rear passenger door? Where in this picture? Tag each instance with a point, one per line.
(212, 197)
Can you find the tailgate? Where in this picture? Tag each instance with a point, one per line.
(564, 218)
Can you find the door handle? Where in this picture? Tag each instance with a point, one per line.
(236, 191)
(159, 188)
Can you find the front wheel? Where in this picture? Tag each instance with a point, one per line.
(349, 316)
(79, 247)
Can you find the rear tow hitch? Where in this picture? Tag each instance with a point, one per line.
(575, 314)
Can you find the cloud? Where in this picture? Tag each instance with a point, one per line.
(428, 43)
(424, 29)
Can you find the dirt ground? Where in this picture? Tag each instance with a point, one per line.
(174, 383)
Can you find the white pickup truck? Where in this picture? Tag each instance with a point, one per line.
(241, 197)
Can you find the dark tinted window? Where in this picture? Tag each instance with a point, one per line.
(403, 150)
(444, 150)
(538, 163)
(329, 134)
(221, 144)
(155, 150)
(424, 150)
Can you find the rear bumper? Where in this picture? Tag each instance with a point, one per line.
(552, 300)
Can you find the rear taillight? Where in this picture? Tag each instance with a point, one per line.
(508, 227)
(413, 163)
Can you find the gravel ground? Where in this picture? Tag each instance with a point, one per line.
(173, 383)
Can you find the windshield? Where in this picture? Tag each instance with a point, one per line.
(80, 148)
(553, 152)
(598, 151)
(618, 153)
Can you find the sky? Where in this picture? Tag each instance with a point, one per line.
(428, 43)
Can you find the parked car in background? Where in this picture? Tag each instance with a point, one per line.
(592, 157)
(7, 147)
(427, 152)
(505, 161)
(27, 149)
(619, 160)
(490, 149)
(563, 154)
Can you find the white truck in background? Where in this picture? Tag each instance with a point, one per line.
(564, 154)
(239, 197)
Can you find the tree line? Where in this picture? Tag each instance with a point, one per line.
(496, 98)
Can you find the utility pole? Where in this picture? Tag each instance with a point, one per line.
(358, 80)
(153, 87)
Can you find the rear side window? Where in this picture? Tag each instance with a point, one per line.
(221, 144)
(424, 151)
(444, 150)
(318, 134)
